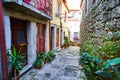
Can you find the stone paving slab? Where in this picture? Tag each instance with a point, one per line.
(65, 66)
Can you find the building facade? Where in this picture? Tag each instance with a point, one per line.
(74, 24)
(32, 26)
(100, 20)
(27, 25)
(64, 18)
(59, 23)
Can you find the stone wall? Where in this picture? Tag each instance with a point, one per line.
(101, 21)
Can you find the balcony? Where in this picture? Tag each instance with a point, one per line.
(36, 7)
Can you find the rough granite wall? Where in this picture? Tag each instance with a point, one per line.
(102, 20)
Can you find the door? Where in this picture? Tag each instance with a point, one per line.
(19, 36)
(61, 38)
(57, 36)
(52, 38)
(40, 37)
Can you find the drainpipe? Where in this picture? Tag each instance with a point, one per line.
(2, 43)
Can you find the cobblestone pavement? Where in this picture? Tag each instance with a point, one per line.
(65, 66)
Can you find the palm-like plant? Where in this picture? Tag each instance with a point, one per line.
(17, 60)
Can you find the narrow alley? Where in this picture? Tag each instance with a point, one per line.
(59, 39)
(65, 66)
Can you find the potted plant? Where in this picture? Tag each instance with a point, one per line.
(17, 60)
(39, 60)
(50, 55)
(41, 55)
(66, 43)
(38, 63)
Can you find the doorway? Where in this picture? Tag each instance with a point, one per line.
(19, 36)
(40, 29)
(61, 38)
(57, 37)
(52, 38)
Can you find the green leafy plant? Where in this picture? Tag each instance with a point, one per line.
(88, 47)
(17, 60)
(41, 55)
(50, 56)
(90, 65)
(39, 62)
(108, 51)
(110, 70)
(66, 42)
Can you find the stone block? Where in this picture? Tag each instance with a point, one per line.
(71, 71)
(111, 4)
(106, 16)
(104, 5)
(115, 13)
(118, 24)
(109, 25)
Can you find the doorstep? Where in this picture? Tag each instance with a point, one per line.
(25, 69)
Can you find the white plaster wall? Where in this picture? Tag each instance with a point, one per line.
(31, 39)
(47, 37)
(7, 31)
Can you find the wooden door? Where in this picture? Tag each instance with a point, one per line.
(19, 35)
(61, 38)
(52, 38)
(57, 38)
(40, 37)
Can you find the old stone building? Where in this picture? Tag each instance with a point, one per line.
(27, 24)
(100, 20)
(59, 23)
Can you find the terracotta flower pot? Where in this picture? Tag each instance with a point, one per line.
(37, 67)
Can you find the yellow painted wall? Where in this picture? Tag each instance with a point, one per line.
(65, 24)
(55, 19)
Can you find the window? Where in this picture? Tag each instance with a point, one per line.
(58, 8)
(20, 37)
